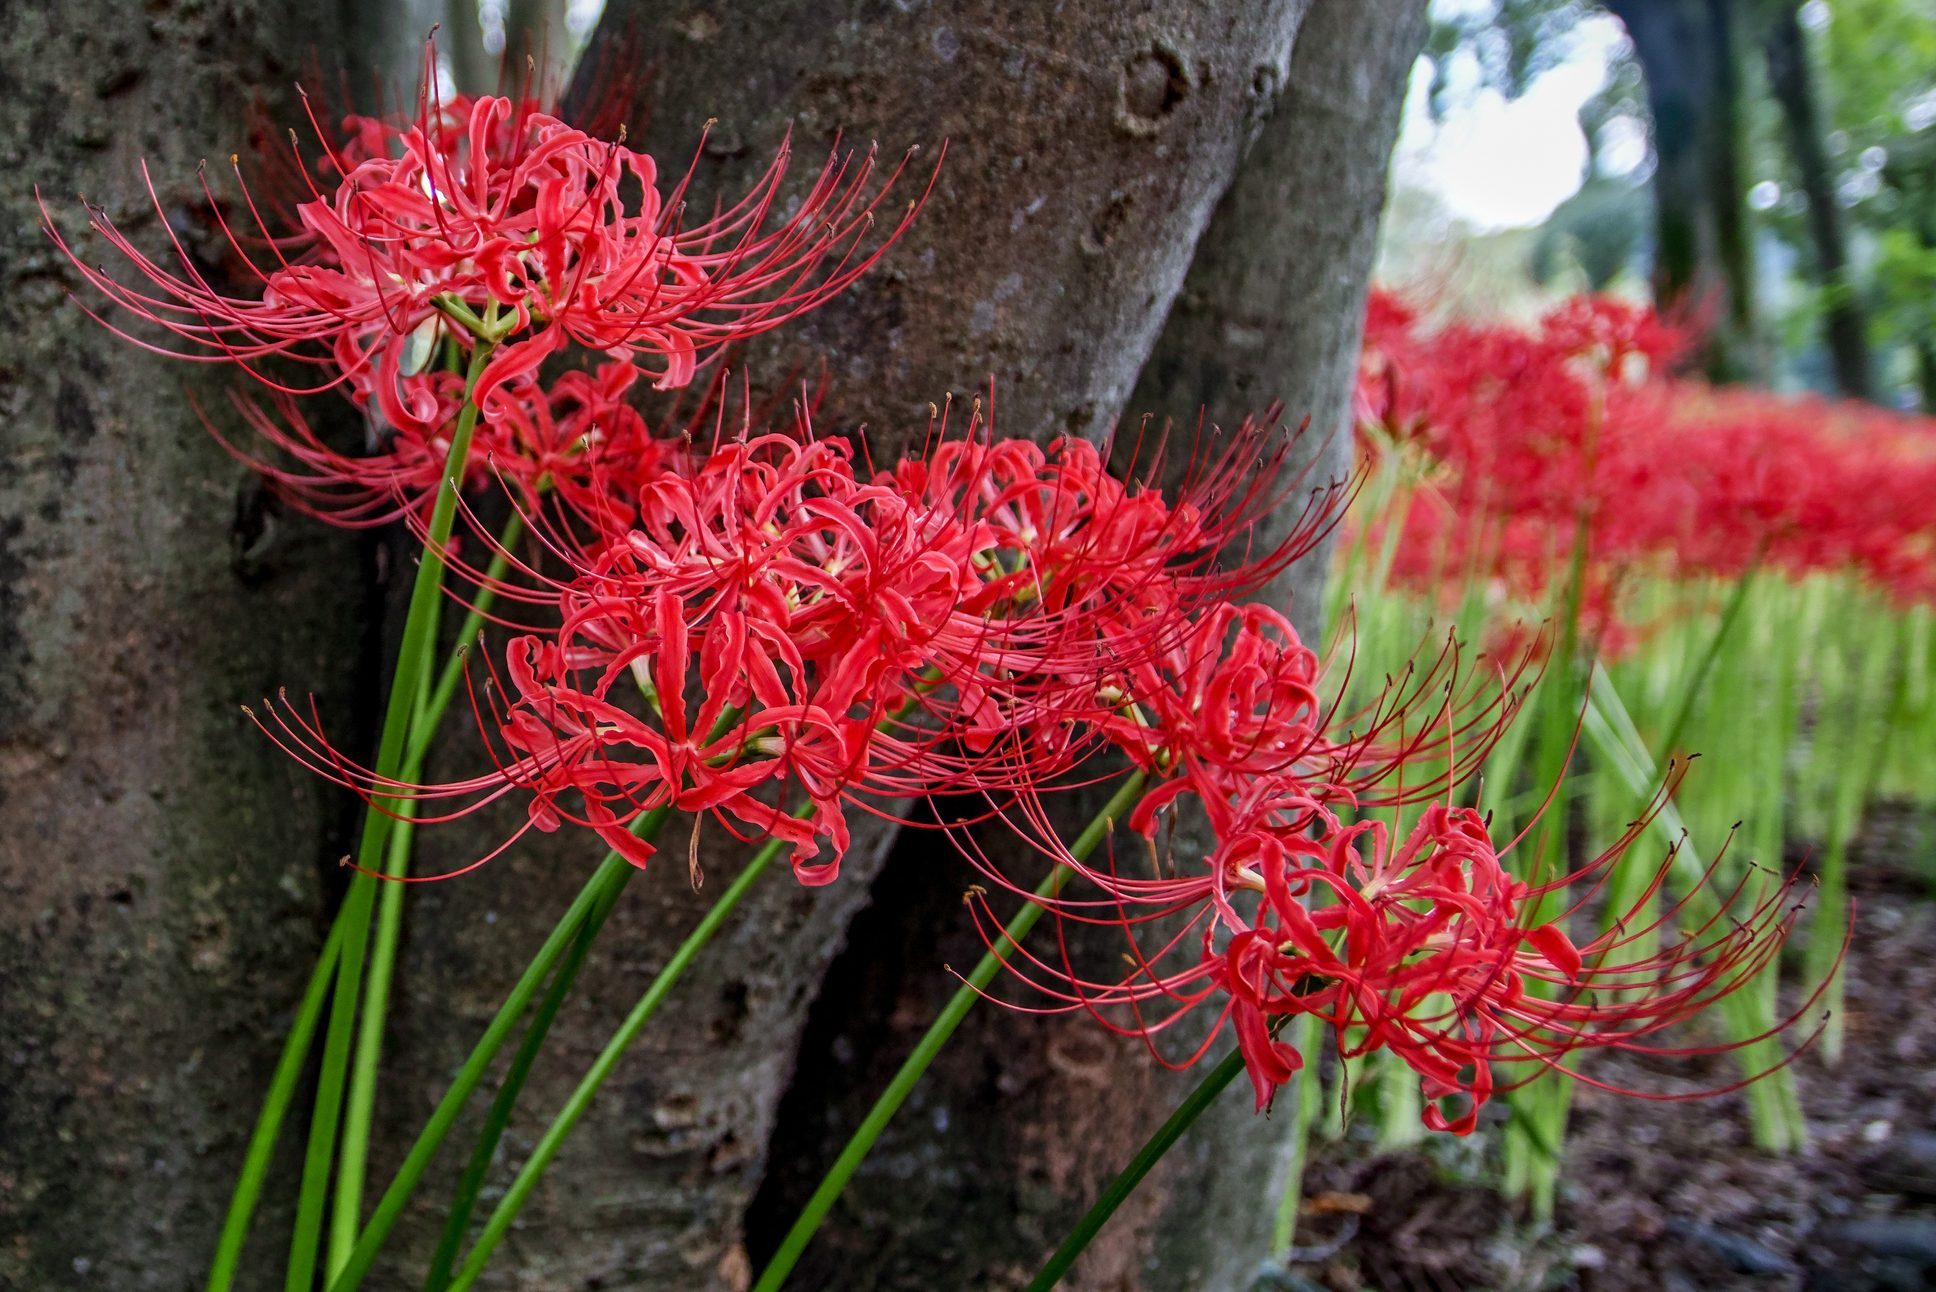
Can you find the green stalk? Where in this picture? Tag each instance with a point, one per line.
(1610, 734)
(447, 682)
(295, 1053)
(1539, 1109)
(432, 701)
(590, 909)
(412, 658)
(1139, 1166)
(547, 1148)
(457, 1224)
(275, 1106)
(1691, 690)
(1400, 1106)
(1865, 755)
(929, 1046)
(360, 1103)
(599, 892)
(470, 1185)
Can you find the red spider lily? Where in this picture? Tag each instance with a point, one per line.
(1060, 509)
(514, 226)
(610, 87)
(1429, 949)
(770, 624)
(1802, 485)
(728, 617)
(811, 588)
(773, 615)
(621, 764)
(1237, 700)
(575, 439)
(1570, 433)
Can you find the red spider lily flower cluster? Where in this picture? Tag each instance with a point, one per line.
(485, 222)
(574, 438)
(1573, 431)
(1430, 949)
(781, 635)
(1426, 948)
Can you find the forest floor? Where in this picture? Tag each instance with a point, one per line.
(1671, 1196)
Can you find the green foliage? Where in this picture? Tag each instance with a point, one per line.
(1880, 59)
(1512, 44)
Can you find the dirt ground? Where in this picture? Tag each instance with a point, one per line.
(1672, 1196)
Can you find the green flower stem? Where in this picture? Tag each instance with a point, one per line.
(262, 1143)
(427, 714)
(1875, 671)
(424, 723)
(599, 893)
(547, 1148)
(1537, 1130)
(471, 1184)
(937, 1035)
(457, 1224)
(446, 688)
(577, 927)
(1691, 690)
(1139, 1166)
(412, 657)
(1612, 738)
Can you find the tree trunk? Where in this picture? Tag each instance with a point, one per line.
(473, 68)
(1844, 324)
(1086, 150)
(1023, 1121)
(536, 46)
(163, 868)
(1704, 253)
(1273, 308)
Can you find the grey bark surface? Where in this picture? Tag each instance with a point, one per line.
(1087, 144)
(1023, 1120)
(1273, 307)
(163, 871)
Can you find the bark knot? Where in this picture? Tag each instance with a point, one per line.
(1155, 80)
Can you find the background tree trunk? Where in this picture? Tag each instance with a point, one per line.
(1023, 1121)
(1704, 253)
(1911, 171)
(163, 872)
(1844, 322)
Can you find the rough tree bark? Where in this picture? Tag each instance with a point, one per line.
(1273, 307)
(163, 872)
(1023, 1121)
(1704, 255)
(1844, 322)
(1087, 149)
